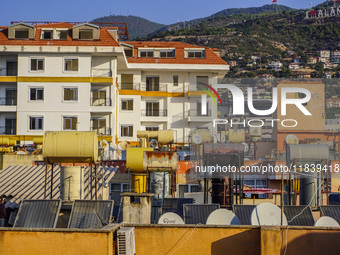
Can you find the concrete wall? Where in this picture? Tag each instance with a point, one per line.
(235, 240)
(19, 160)
(35, 242)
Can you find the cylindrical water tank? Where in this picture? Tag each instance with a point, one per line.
(310, 153)
(134, 158)
(310, 194)
(160, 184)
(70, 146)
(71, 183)
(160, 160)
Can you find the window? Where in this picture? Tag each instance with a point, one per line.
(36, 123)
(70, 123)
(256, 184)
(47, 34)
(199, 109)
(152, 83)
(36, 94)
(146, 54)
(117, 188)
(71, 64)
(62, 34)
(127, 131)
(167, 53)
(151, 128)
(127, 104)
(196, 54)
(128, 53)
(21, 33)
(175, 80)
(70, 94)
(37, 64)
(188, 188)
(86, 34)
(99, 125)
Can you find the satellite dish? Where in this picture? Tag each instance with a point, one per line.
(223, 217)
(267, 214)
(245, 147)
(220, 137)
(170, 218)
(292, 139)
(326, 221)
(153, 143)
(197, 139)
(103, 143)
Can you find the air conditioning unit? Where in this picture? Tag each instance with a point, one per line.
(126, 241)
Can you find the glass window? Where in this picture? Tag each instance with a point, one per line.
(36, 94)
(146, 54)
(21, 34)
(36, 123)
(167, 53)
(62, 34)
(71, 64)
(37, 64)
(127, 104)
(71, 94)
(86, 34)
(47, 34)
(196, 54)
(175, 80)
(151, 128)
(126, 131)
(70, 123)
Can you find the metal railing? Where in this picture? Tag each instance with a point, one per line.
(8, 101)
(8, 130)
(154, 113)
(102, 131)
(10, 72)
(129, 86)
(97, 72)
(155, 87)
(198, 113)
(100, 101)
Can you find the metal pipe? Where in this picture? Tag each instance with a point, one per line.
(51, 196)
(91, 178)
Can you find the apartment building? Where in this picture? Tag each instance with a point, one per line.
(69, 76)
(160, 88)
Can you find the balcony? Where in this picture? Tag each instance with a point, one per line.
(129, 86)
(100, 101)
(8, 71)
(154, 87)
(8, 130)
(97, 72)
(8, 101)
(102, 130)
(195, 115)
(154, 113)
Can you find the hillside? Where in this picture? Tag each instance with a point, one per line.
(137, 26)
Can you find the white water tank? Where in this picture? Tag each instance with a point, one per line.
(71, 183)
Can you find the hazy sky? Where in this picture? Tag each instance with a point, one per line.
(165, 12)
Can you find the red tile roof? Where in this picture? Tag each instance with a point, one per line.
(106, 39)
(210, 56)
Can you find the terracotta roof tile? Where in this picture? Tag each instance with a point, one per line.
(210, 56)
(106, 38)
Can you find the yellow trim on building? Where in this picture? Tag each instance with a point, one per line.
(31, 137)
(197, 93)
(57, 79)
(151, 93)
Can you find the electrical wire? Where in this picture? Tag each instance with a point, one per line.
(180, 240)
(307, 206)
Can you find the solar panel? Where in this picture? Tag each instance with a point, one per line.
(198, 213)
(175, 205)
(331, 211)
(91, 214)
(38, 214)
(243, 213)
(304, 219)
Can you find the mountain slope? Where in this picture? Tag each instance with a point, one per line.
(137, 26)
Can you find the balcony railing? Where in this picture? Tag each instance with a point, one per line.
(8, 72)
(154, 113)
(100, 101)
(102, 131)
(198, 113)
(8, 130)
(155, 87)
(8, 101)
(129, 86)
(96, 72)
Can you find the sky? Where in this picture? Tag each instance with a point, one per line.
(164, 12)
